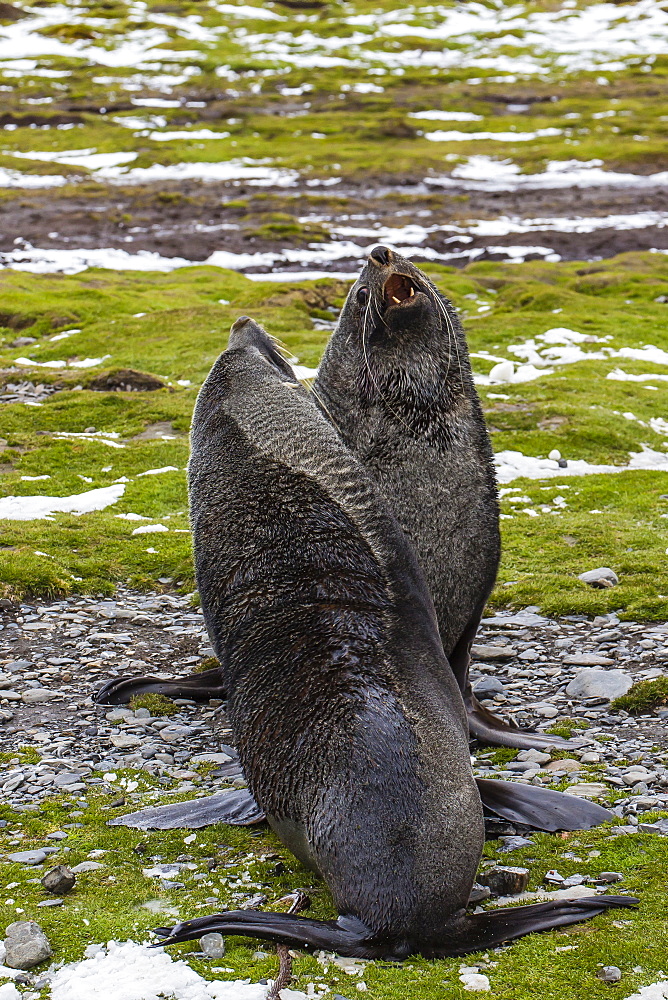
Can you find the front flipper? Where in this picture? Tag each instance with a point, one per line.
(541, 808)
(197, 687)
(238, 808)
(489, 728)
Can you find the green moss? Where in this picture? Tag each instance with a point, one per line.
(157, 704)
(643, 697)
(566, 727)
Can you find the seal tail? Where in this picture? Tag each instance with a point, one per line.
(540, 808)
(348, 936)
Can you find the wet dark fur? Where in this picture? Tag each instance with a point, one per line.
(350, 726)
(396, 382)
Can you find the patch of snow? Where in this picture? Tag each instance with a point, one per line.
(485, 173)
(456, 136)
(619, 375)
(39, 508)
(157, 472)
(15, 179)
(150, 529)
(130, 971)
(202, 133)
(446, 116)
(81, 158)
(655, 991)
(514, 465)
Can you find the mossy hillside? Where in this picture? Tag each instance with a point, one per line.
(233, 864)
(244, 77)
(576, 409)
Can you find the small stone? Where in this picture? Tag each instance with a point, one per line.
(563, 765)
(602, 577)
(213, 945)
(609, 974)
(536, 756)
(604, 684)
(486, 652)
(26, 945)
(554, 878)
(478, 894)
(488, 687)
(124, 741)
(59, 880)
(609, 877)
(504, 880)
(29, 857)
(588, 660)
(514, 843)
(35, 696)
(86, 866)
(562, 463)
(554, 455)
(587, 789)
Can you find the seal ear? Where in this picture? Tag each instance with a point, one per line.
(246, 333)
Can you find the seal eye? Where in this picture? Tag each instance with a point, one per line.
(362, 296)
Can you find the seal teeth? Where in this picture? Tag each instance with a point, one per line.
(412, 292)
(395, 299)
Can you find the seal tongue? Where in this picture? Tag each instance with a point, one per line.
(398, 288)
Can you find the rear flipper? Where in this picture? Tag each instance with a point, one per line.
(238, 808)
(489, 728)
(350, 937)
(197, 687)
(541, 808)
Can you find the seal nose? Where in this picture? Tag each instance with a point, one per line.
(381, 255)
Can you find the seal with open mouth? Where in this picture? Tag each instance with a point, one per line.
(350, 726)
(396, 382)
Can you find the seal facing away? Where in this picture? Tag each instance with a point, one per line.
(396, 382)
(350, 726)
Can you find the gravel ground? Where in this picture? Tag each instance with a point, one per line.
(53, 656)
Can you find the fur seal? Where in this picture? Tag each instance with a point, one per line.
(350, 726)
(396, 382)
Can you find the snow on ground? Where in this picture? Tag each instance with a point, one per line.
(130, 971)
(514, 465)
(656, 991)
(36, 508)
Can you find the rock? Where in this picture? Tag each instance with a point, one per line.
(488, 687)
(86, 866)
(26, 945)
(34, 696)
(660, 827)
(602, 577)
(213, 945)
(478, 894)
(504, 880)
(535, 756)
(588, 660)
(124, 741)
(29, 857)
(564, 765)
(59, 879)
(493, 654)
(587, 789)
(514, 844)
(609, 974)
(605, 684)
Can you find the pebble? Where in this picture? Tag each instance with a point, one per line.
(606, 684)
(59, 879)
(26, 945)
(603, 577)
(504, 880)
(213, 945)
(488, 687)
(609, 974)
(489, 653)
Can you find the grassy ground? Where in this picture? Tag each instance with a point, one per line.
(615, 520)
(559, 965)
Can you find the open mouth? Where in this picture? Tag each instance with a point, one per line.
(399, 290)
